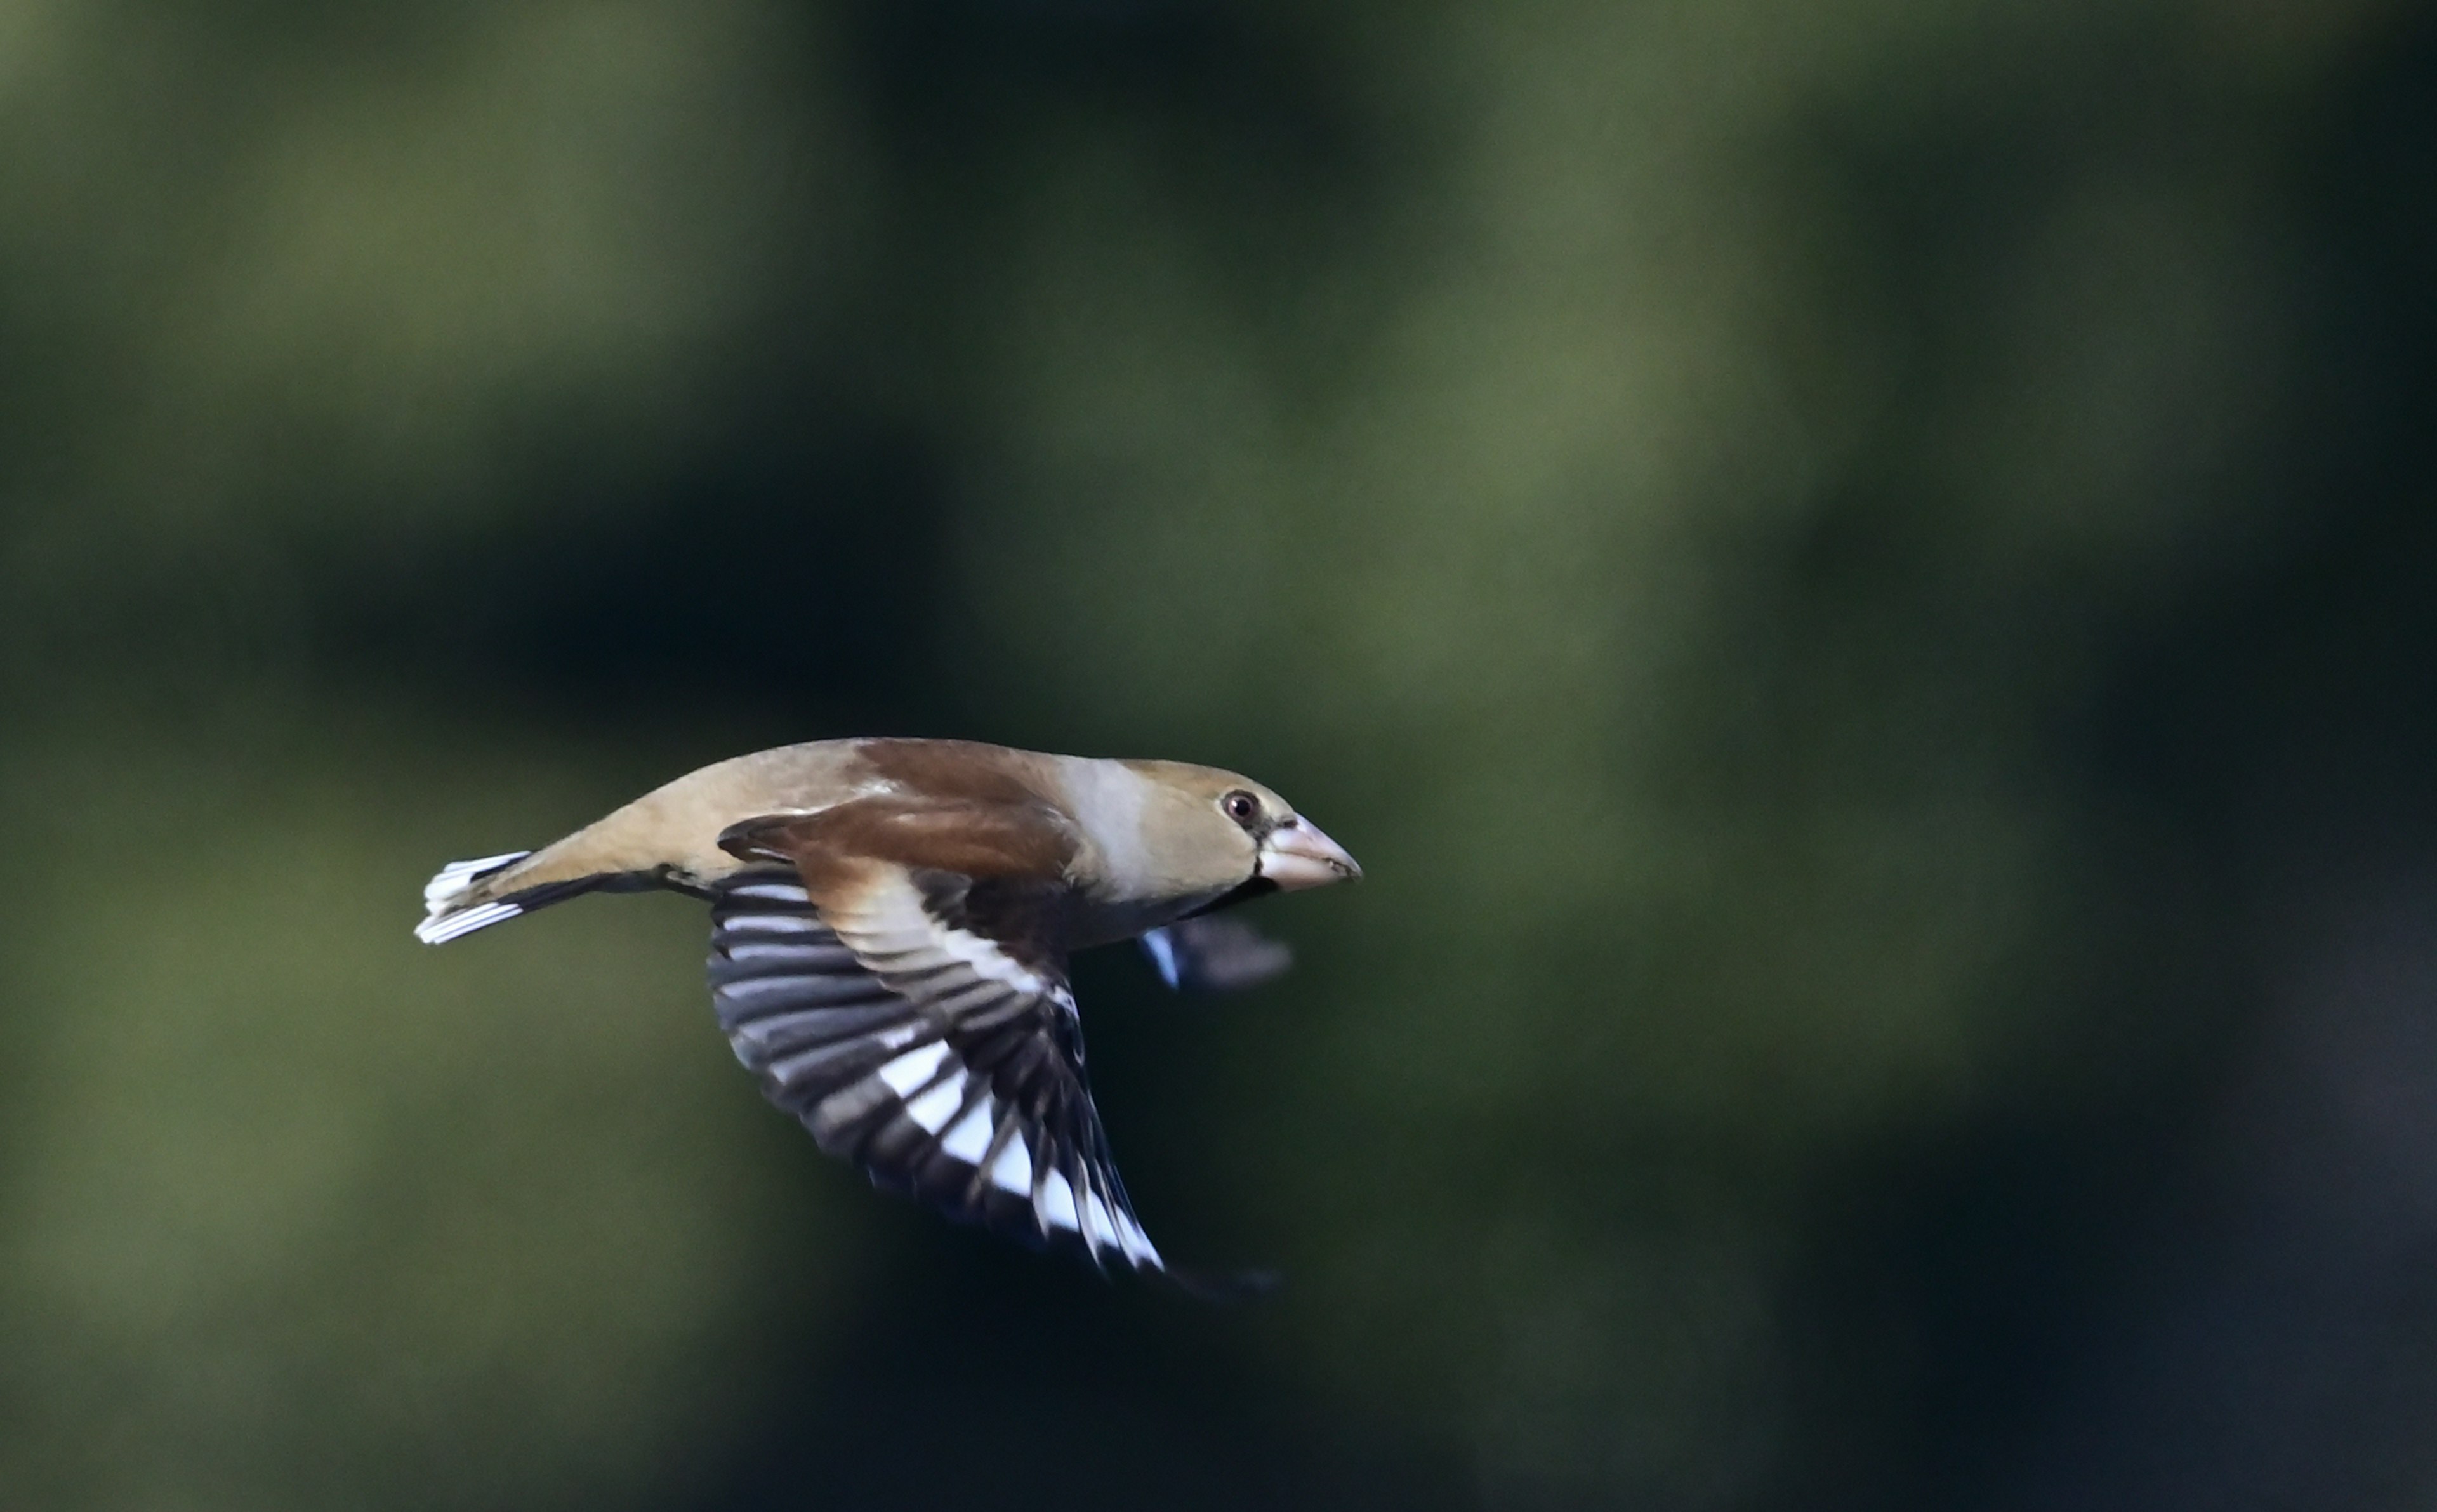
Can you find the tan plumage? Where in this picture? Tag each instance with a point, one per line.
(891, 925)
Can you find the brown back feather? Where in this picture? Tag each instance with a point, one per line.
(980, 840)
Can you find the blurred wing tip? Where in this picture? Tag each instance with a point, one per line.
(1225, 1287)
(1212, 954)
(1161, 948)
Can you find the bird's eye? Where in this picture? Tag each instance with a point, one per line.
(1240, 806)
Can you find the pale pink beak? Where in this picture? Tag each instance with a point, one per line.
(1297, 856)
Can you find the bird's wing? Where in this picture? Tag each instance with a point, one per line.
(1215, 953)
(917, 1017)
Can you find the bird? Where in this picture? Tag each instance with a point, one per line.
(891, 922)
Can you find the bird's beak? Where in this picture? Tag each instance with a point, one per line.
(1297, 856)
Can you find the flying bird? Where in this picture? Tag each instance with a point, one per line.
(891, 925)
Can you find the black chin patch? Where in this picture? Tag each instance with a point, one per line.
(1244, 892)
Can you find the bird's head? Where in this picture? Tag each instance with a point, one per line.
(1222, 833)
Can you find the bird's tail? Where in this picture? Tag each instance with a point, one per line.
(463, 896)
(455, 901)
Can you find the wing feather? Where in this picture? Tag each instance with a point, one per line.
(942, 1062)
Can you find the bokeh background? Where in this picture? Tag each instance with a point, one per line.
(1862, 575)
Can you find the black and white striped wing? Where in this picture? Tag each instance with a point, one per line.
(924, 1052)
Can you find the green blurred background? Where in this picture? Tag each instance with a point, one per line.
(1862, 575)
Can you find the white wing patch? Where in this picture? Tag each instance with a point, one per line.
(773, 924)
(986, 960)
(762, 892)
(970, 1140)
(1137, 1243)
(1012, 1171)
(914, 1067)
(933, 1108)
(1056, 1204)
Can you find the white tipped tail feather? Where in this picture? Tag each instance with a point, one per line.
(447, 914)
